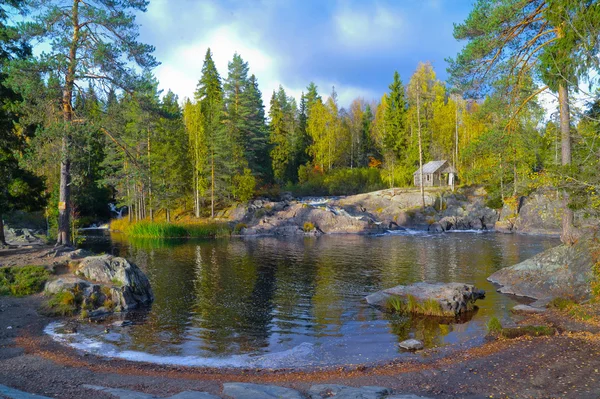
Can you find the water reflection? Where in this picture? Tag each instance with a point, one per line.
(265, 295)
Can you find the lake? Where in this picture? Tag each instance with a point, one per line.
(297, 301)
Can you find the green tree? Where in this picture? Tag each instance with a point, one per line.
(92, 42)
(555, 40)
(209, 94)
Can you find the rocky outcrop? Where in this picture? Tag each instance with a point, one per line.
(564, 271)
(103, 284)
(452, 299)
(378, 211)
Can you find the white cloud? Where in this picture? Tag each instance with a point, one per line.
(368, 27)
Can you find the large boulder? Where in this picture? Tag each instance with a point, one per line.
(564, 271)
(129, 286)
(452, 299)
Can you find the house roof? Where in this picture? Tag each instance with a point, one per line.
(432, 167)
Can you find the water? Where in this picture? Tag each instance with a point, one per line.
(292, 302)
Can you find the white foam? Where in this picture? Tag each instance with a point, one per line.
(296, 356)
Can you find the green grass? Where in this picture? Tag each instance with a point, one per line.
(429, 307)
(64, 303)
(561, 304)
(531, 331)
(494, 326)
(22, 281)
(170, 230)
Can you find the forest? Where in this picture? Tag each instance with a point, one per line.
(84, 124)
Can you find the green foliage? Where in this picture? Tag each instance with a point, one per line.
(429, 307)
(337, 181)
(494, 326)
(22, 281)
(63, 303)
(561, 303)
(244, 186)
(530, 331)
(308, 227)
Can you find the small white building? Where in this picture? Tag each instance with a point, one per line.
(435, 174)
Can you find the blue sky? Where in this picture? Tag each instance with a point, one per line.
(354, 45)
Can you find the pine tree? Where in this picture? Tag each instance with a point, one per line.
(88, 41)
(279, 137)
(209, 94)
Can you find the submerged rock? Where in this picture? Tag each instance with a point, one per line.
(561, 272)
(437, 299)
(239, 390)
(411, 345)
(322, 391)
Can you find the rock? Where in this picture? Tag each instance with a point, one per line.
(453, 298)
(406, 396)
(238, 390)
(435, 228)
(323, 391)
(527, 309)
(411, 345)
(193, 395)
(122, 323)
(130, 286)
(563, 271)
(67, 283)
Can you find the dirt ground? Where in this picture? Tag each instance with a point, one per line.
(566, 365)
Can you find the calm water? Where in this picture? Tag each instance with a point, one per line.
(279, 302)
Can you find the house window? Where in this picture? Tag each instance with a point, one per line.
(428, 177)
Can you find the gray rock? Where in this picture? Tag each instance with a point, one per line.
(406, 396)
(120, 393)
(16, 394)
(454, 298)
(238, 390)
(66, 283)
(323, 391)
(411, 345)
(193, 395)
(435, 228)
(131, 288)
(527, 309)
(563, 271)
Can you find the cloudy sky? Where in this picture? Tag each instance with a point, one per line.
(352, 45)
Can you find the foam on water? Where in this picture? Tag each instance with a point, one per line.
(301, 355)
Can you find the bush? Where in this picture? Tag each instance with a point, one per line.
(308, 227)
(337, 181)
(22, 281)
(62, 303)
(494, 326)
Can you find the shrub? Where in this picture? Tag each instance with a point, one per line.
(22, 281)
(561, 303)
(308, 227)
(239, 227)
(494, 326)
(63, 303)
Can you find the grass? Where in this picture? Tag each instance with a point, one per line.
(148, 229)
(64, 303)
(494, 327)
(429, 307)
(22, 281)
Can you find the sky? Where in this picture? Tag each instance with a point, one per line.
(353, 45)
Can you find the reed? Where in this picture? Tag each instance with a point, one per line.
(148, 229)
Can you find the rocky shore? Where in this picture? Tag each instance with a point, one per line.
(400, 209)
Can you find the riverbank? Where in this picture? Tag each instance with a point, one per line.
(562, 366)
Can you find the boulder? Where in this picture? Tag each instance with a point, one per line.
(563, 271)
(130, 287)
(239, 390)
(453, 298)
(323, 391)
(67, 283)
(527, 309)
(436, 228)
(411, 345)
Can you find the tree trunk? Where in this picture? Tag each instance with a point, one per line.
(64, 236)
(212, 188)
(168, 213)
(151, 209)
(568, 235)
(2, 238)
